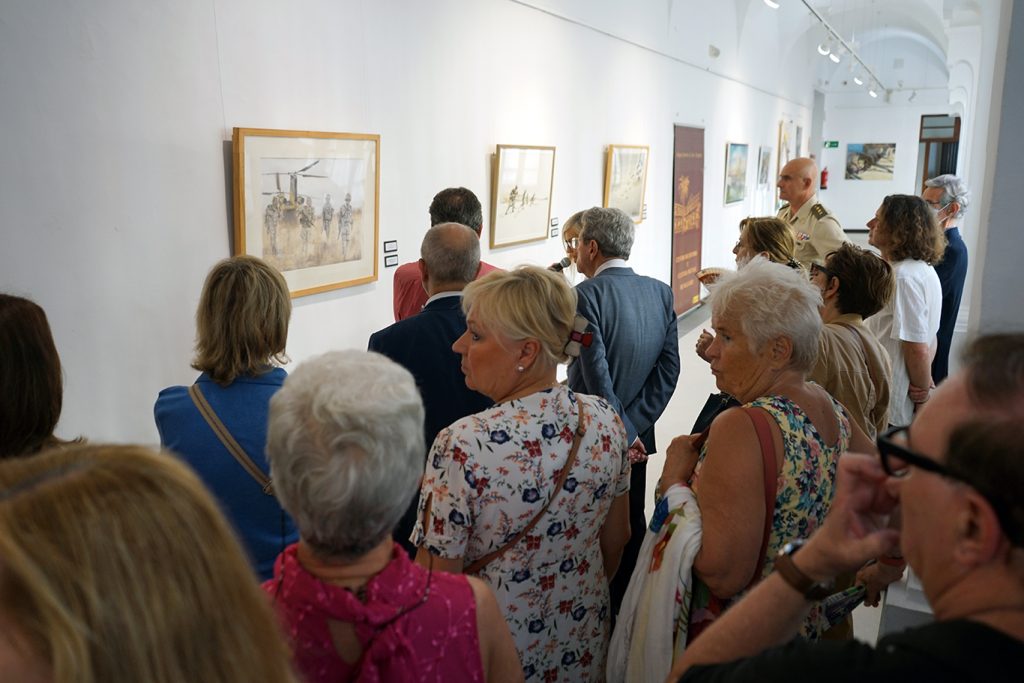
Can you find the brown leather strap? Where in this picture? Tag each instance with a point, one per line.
(228, 441)
(562, 476)
(771, 474)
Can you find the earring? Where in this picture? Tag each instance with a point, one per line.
(520, 368)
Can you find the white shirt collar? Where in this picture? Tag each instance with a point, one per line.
(441, 295)
(611, 263)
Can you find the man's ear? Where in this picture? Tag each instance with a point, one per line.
(979, 534)
(424, 275)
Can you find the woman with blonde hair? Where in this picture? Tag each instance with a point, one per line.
(768, 237)
(117, 568)
(530, 495)
(219, 424)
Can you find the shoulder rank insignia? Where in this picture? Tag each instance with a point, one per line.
(819, 211)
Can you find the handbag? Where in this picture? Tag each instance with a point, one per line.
(482, 562)
(228, 441)
(705, 606)
(713, 407)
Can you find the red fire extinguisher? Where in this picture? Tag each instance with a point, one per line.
(824, 178)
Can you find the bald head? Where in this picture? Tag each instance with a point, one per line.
(449, 257)
(798, 181)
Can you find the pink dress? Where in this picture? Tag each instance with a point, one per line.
(430, 640)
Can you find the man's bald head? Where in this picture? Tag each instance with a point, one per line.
(450, 255)
(798, 181)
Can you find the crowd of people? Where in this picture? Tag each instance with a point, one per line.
(442, 507)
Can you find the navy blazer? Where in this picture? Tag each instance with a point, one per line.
(422, 345)
(952, 272)
(633, 361)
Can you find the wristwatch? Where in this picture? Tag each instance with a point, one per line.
(803, 584)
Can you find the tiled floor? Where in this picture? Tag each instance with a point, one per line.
(695, 383)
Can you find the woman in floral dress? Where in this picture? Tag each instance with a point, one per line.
(490, 474)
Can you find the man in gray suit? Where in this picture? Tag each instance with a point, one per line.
(633, 359)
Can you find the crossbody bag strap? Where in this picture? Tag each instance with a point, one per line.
(222, 433)
(562, 476)
(768, 459)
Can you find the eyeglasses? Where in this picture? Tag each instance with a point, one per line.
(815, 269)
(572, 242)
(936, 207)
(897, 460)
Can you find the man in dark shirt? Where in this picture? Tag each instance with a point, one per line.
(422, 344)
(956, 474)
(948, 197)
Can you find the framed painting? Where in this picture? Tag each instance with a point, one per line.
(870, 161)
(307, 204)
(764, 159)
(625, 179)
(522, 181)
(735, 172)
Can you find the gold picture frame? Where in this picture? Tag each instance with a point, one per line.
(308, 203)
(522, 182)
(625, 179)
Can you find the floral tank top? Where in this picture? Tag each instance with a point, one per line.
(804, 491)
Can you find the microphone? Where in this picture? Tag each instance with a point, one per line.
(561, 265)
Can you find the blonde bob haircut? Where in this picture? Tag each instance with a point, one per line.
(242, 319)
(118, 567)
(526, 303)
(770, 236)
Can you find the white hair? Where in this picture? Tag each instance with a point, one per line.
(345, 443)
(954, 189)
(771, 300)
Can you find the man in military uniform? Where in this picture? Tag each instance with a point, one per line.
(817, 232)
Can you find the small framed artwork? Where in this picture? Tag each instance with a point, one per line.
(625, 179)
(391, 246)
(307, 204)
(735, 172)
(523, 178)
(391, 260)
(870, 161)
(764, 158)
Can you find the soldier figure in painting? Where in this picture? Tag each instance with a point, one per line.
(345, 224)
(305, 221)
(513, 193)
(271, 217)
(327, 214)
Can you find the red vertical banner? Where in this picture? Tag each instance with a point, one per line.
(687, 215)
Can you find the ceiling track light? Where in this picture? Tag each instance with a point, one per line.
(858, 80)
(823, 49)
(834, 57)
(773, 5)
(872, 92)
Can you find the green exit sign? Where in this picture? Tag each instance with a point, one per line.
(831, 144)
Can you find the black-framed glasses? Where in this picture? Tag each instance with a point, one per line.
(815, 269)
(572, 242)
(897, 460)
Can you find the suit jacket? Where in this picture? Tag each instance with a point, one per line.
(633, 361)
(952, 271)
(422, 345)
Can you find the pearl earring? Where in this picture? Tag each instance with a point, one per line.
(520, 368)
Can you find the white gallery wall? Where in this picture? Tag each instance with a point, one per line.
(849, 122)
(117, 117)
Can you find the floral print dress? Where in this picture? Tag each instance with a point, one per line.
(804, 491)
(488, 475)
